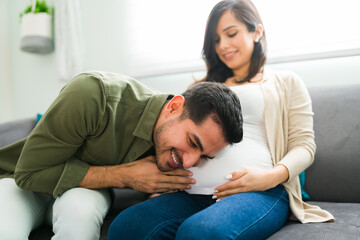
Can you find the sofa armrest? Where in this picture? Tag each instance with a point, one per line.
(11, 132)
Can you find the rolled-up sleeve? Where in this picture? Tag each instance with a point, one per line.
(73, 173)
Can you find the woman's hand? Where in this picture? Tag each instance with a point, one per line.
(249, 180)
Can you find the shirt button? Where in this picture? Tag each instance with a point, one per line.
(134, 154)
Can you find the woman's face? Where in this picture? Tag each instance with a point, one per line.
(234, 44)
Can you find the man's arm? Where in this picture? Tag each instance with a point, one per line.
(47, 163)
(142, 175)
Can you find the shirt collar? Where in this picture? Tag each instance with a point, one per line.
(145, 126)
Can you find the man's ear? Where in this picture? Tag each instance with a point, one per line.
(175, 106)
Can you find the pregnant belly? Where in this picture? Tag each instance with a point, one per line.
(211, 173)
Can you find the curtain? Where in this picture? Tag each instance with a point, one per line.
(68, 38)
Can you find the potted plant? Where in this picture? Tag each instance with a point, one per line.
(36, 28)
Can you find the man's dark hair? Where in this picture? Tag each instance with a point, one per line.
(215, 100)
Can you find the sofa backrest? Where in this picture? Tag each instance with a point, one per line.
(335, 173)
(11, 132)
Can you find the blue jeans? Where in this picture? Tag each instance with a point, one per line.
(179, 215)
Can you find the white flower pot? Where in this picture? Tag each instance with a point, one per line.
(36, 33)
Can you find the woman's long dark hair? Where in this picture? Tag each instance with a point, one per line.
(245, 12)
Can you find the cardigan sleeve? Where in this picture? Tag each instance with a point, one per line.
(48, 162)
(300, 136)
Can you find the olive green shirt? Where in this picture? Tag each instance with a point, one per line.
(97, 119)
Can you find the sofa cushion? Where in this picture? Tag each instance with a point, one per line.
(13, 131)
(334, 175)
(346, 225)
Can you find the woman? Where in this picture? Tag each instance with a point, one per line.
(278, 144)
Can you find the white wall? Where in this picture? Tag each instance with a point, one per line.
(33, 77)
(29, 82)
(6, 103)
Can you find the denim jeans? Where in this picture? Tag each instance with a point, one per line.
(179, 215)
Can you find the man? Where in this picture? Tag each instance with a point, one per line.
(108, 130)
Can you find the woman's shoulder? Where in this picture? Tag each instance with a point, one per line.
(282, 76)
(286, 82)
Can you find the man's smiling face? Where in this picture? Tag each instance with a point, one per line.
(181, 143)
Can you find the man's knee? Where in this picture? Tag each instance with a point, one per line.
(82, 203)
(79, 213)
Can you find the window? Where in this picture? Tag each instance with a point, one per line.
(166, 36)
(308, 29)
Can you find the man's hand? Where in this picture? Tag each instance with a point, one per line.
(142, 175)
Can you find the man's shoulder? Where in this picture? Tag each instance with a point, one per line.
(114, 85)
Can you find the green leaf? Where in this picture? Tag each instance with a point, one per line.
(41, 6)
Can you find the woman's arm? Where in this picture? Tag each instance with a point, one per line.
(301, 146)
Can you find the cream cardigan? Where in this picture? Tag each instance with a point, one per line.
(289, 127)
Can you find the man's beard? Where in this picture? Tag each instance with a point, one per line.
(159, 141)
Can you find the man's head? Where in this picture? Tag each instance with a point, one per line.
(196, 125)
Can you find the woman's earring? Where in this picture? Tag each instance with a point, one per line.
(257, 40)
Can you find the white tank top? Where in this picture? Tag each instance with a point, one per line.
(251, 152)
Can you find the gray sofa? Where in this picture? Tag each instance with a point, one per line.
(333, 181)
